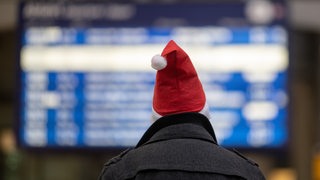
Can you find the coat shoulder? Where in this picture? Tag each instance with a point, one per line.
(109, 167)
(194, 156)
(117, 158)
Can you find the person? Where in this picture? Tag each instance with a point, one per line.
(181, 143)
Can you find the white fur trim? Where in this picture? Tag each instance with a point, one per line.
(158, 62)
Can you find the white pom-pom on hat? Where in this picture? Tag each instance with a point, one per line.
(158, 62)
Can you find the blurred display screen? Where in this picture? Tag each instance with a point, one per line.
(86, 80)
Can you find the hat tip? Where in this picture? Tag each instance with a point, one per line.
(158, 62)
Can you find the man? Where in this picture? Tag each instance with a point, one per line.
(181, 143)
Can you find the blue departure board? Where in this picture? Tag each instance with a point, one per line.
(86, 81)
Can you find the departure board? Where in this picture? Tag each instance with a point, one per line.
(86, 81)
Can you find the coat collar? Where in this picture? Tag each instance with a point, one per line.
(184, 125)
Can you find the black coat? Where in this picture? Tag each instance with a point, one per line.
(181, 146)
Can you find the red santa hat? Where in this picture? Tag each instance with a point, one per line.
(177, 86)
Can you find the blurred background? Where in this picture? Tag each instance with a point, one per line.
(76, 87)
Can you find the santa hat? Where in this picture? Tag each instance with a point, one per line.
(177, 86)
